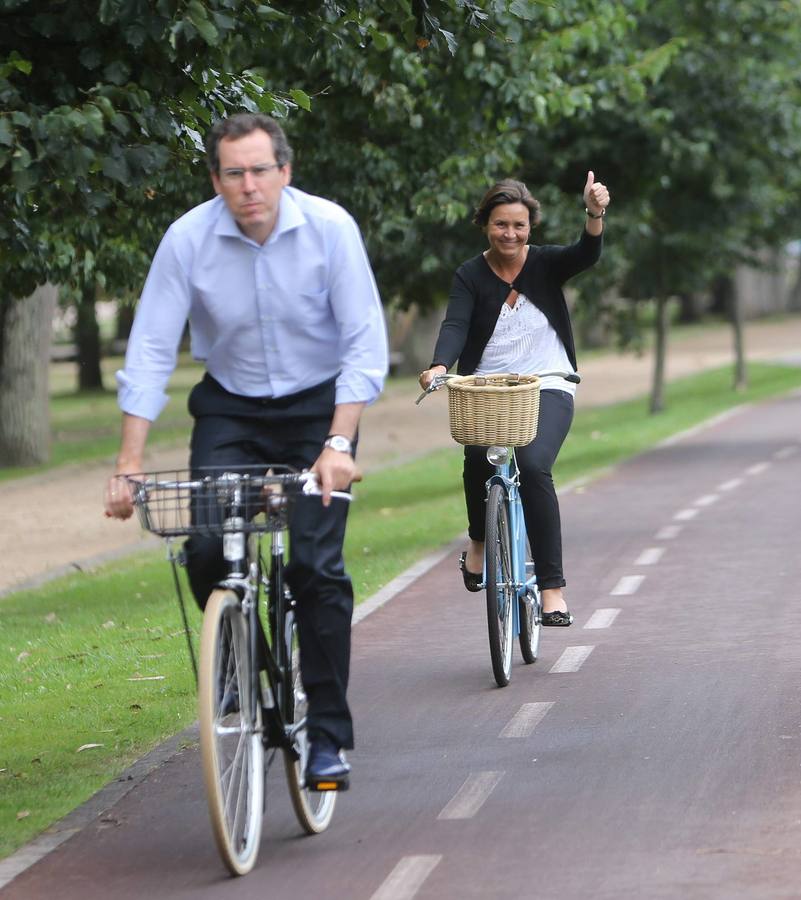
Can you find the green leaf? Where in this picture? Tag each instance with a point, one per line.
(116, 169)
(267, 12)
(224, 22)
(198, 16)
(135, 35)
(109, 10)
(90, 57)
(450, 40)
(6, 133)
(380, 38)
(15, 63)
(523, 9)
(117, 72)
(301, 98)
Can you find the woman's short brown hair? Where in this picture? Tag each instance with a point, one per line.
(507, 191)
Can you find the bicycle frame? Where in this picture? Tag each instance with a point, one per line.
(244, 577)
(508, 476)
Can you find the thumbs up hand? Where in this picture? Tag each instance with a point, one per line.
(596, 195)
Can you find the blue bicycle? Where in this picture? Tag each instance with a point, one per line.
(513, 600)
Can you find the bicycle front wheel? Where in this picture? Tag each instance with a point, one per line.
(231, 746)
(313, 809)
(501, 593)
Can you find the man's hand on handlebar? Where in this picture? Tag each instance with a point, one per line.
(335, 471)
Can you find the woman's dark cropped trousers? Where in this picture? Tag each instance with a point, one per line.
(235, 431)
(540, 504)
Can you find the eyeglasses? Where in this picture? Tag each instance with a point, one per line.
(236, 176)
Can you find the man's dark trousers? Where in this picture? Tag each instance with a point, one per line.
(231, 430)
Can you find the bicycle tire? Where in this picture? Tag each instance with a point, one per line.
(313, 809)
(501, 593)
(231, 746)
(530, 625)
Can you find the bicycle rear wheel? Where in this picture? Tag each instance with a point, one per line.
(231, 746)
(530, 622)
(313, 809)
(501, 593)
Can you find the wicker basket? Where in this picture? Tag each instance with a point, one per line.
(497, 409)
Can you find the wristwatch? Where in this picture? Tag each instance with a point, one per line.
(339, 443)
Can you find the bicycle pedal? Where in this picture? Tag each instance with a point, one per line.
(322, 785)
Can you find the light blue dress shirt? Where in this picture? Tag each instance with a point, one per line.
(266, 319)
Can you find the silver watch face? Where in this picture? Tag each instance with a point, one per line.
(338, 442)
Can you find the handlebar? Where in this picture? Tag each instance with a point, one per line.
(216, 501)
(436, 383)
(439, 380)
(311, 487)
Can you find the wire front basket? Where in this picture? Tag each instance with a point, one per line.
(215, 501)
(486, 410)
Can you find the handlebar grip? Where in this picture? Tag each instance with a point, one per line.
(311, 487)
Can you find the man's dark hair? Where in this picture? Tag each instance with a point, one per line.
(507, 191)
(238, 126)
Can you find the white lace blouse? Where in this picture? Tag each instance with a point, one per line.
(525, 342)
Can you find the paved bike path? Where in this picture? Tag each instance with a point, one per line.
(656, 756)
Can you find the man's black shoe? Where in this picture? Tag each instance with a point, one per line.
(326, 769)
(230, 701)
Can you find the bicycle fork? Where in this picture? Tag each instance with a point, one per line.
(523, 580)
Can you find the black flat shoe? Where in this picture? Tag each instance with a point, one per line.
(327, 769)
(557, 617)
(471, 581)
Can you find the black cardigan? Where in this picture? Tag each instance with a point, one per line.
(477, 295)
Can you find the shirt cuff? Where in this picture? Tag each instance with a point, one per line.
(360, 387)
(136, 400)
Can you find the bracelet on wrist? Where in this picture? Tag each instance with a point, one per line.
(600, 215)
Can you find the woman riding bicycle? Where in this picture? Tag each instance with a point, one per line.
(507, 313)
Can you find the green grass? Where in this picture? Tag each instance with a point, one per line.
(68, 654)
(85, 426)
(71, 652)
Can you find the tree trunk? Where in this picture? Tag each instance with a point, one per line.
(87, 340)
(125, 316)
(691, 308)
(736, 315)
(794, 294)
(25, 333)
(660, 354)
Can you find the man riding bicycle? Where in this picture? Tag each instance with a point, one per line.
(284, 312)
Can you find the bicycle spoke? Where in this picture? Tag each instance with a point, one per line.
(230, 734)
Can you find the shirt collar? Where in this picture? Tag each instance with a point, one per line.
(290, 216)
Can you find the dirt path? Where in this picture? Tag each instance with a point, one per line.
(77, 536)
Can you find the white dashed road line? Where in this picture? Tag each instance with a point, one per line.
(571, 660)
(470, 797)
(757, 469)
(668, 532)
(731, 484)
(786, 452)
(707, 500)
(526, 719)
(649, 557)
(406, 879)
(684, 515)
(602, 618)
(628, 584)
